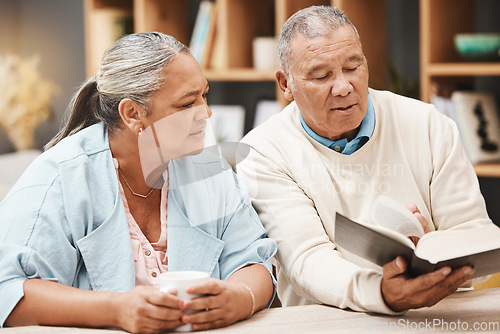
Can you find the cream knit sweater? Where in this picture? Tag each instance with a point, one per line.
(296, 185)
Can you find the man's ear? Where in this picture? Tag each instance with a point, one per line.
(284, 84)
(130, 113)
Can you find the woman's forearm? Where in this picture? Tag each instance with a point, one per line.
(50, 303)
(258, 279)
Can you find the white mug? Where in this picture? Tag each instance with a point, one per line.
(180, 281)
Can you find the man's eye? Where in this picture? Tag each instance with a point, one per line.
(352, 68)
(323, 77)
(205, 95)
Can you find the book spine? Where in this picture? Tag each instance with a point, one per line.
(200, 31)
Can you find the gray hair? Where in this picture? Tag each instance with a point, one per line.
(314, 21)
(130, 68)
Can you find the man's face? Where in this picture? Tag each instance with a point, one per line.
(330, 77)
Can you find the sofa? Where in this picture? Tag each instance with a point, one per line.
(12, 165)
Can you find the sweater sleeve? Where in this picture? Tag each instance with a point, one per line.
(454, 188)
(308, 260)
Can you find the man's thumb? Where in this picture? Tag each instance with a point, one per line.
(395, 267)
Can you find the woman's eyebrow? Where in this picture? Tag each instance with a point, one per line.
(192, 93)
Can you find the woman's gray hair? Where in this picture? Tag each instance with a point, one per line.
(314, 21)
(130, 68)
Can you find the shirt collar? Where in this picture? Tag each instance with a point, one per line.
(365, 131)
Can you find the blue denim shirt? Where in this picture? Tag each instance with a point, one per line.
(64, 220)
(342, 145)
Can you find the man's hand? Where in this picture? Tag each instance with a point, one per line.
(425, 224)
(401, 293)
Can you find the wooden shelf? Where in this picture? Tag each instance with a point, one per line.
(238, 22)
(239, 74)
(488, 170)
(440, 21)
(463, 69)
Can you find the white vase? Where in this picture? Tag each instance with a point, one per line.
(265, 53)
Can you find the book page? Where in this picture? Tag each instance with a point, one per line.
(391, 214)
(393, 235)
(466, 239)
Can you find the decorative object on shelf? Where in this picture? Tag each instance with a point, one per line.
(265, 53)
(224, 131)
(264, 110)
(478, 47)
(25, 101)
(399, 85)
(226, 124)
(479, 125)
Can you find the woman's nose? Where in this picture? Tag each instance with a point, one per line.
(203, 112)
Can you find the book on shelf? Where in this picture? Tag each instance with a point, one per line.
(387, 237)
(204, 33)
(206, 60)
(477, 119)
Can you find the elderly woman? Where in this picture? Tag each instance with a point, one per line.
(124, 193)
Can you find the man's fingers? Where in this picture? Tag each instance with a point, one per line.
(449, 285)
(394, 268)
(416, 212)
(425, 290)
(412, 207)
(423, 222)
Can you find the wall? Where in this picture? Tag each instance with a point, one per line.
(53, 29)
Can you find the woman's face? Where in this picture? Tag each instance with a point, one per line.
(179, 110)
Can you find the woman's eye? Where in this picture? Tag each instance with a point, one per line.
(189, 105)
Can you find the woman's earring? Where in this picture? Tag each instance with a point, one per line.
(140, 131)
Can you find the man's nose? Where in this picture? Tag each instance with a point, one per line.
(341, 86)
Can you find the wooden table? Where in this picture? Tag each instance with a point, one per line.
(467, 311)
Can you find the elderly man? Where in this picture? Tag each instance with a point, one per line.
(335, 148)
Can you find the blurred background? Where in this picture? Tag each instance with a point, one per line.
(53, 45)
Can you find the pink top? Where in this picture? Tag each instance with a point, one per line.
(150, 259)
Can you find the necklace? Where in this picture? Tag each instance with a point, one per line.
(133, 192)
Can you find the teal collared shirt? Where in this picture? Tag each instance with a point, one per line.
(342, 145)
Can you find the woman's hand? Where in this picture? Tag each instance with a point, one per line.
(140, 310)
(225, 303)
(148, 310)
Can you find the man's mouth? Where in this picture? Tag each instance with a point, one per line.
(345, 108)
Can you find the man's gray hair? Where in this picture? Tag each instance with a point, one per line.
(314, 21)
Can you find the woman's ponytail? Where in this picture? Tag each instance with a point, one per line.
(83, 111)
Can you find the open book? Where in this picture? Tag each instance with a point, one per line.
(476, 245)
